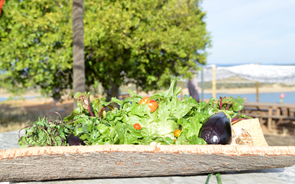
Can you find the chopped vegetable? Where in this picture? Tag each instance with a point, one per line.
(153, 105)
(177, 133)
(137, 126)
(217, 129)
(161, 119)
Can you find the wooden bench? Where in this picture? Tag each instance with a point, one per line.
(277, 118)
(255, 110)
(273, 114)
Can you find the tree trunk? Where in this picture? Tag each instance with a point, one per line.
(78, 48)
(113, 91)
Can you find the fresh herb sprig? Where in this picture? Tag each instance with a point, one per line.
(45, 132)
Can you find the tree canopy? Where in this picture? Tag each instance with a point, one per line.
(144, 42)
(35, 42)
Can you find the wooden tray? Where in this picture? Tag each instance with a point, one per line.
(49, 163)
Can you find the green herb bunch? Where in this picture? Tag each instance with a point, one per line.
(46, 133)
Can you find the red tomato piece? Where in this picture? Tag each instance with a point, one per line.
(137, 126)
(151, 103)
(144, 100)
(177, 133)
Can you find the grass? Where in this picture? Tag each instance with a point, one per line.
(14, 116)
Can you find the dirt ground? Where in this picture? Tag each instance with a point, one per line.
(277, 140)
(20, 113)
(15, 115)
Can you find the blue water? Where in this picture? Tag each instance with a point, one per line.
(4, 98)
(251, 97)
(263, 97)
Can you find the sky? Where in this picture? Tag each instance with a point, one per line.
(250, 31)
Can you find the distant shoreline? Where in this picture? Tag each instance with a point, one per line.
(252, 90)
(185, 91)
(237, 90)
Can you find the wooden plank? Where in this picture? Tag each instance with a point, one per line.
(257, 91)
(52, 163)
(253, 127)
(278, 118)
(258, 115)
(269, 119)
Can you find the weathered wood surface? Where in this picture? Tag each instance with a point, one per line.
(50, 163)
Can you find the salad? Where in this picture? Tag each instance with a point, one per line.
(161, 119)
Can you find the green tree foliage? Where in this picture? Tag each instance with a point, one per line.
(35, 42)
(144, 42)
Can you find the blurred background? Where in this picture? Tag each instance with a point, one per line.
(50, 49)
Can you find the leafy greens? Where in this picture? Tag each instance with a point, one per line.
(99, 123)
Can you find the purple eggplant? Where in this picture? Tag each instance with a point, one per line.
(217, 129)
(75, 140)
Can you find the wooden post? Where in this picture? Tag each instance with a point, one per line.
(78, 49)
(181, 85)
(214, 81)
(137, 89)
(257, 90)
(269, 119)
(202, 76)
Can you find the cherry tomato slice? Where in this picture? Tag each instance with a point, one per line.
(177, 133)
(137, 126)
(151, 103)
(144, 100)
